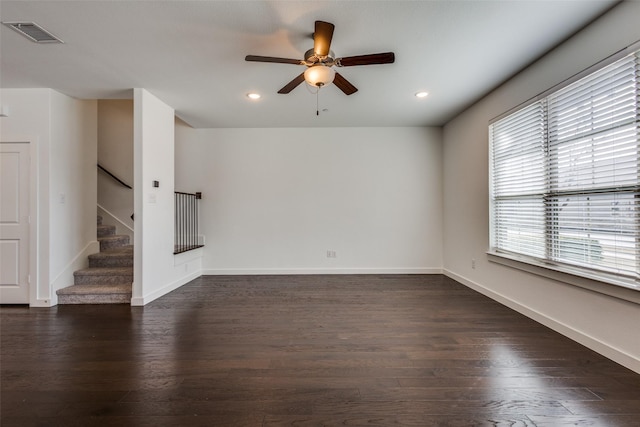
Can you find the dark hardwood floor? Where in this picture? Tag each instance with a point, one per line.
(304, 351)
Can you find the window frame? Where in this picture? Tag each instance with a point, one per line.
(626, 287)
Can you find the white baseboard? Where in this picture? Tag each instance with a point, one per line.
(144, 300)
(45, 303)
(615, 354)
(310, 271)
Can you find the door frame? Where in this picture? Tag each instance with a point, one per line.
(34, 218)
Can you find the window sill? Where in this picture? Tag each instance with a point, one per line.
(614, 287)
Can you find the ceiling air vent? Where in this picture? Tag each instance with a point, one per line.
(33, 32)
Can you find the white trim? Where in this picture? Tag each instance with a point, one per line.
(146, 299)
(612, 287)
(613, 353)
(34, 231)
(43, 303)
(309, 271)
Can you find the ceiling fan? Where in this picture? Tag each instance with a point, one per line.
(320, 62)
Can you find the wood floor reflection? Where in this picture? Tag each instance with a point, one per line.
(414, 350)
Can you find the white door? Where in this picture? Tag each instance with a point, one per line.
(14, 223)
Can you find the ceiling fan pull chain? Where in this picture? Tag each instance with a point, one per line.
(317, 108)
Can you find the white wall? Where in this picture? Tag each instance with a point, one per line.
(72, 181)
(156, 270)
(115, 153)
(276, 200)
(62, 132)
(606, 324)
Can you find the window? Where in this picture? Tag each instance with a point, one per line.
(565, 176)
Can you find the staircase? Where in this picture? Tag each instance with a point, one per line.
(109, 276)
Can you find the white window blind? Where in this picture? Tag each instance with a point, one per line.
(565, 175)
(519, 182)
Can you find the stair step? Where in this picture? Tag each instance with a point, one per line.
(109, 278)
(106, 230)
(100, 276)
(117, 257)
(95, 294)
(111, 242)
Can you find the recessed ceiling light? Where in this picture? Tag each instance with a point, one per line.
(422, 94)
(253, 95)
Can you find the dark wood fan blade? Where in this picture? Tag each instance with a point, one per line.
(344, 85)
(322, 38)
(292, 84)
(374, 58)
(256, 58)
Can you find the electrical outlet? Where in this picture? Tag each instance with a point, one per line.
(331, 254)
(473, 263)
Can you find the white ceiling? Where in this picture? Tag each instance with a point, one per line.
(191, 54)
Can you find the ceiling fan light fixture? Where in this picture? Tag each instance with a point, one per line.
(319, 75)
(320, 60)
(422, 94)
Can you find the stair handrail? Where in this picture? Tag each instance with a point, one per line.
(102, 168)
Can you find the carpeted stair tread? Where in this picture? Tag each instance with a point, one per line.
(115, 261)
(127, 249)
(102, 271)
(119, 288)
(114, 241)
(92, 294)
(103, 275)
(114, 237)
(106, 230)
(116, 257)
